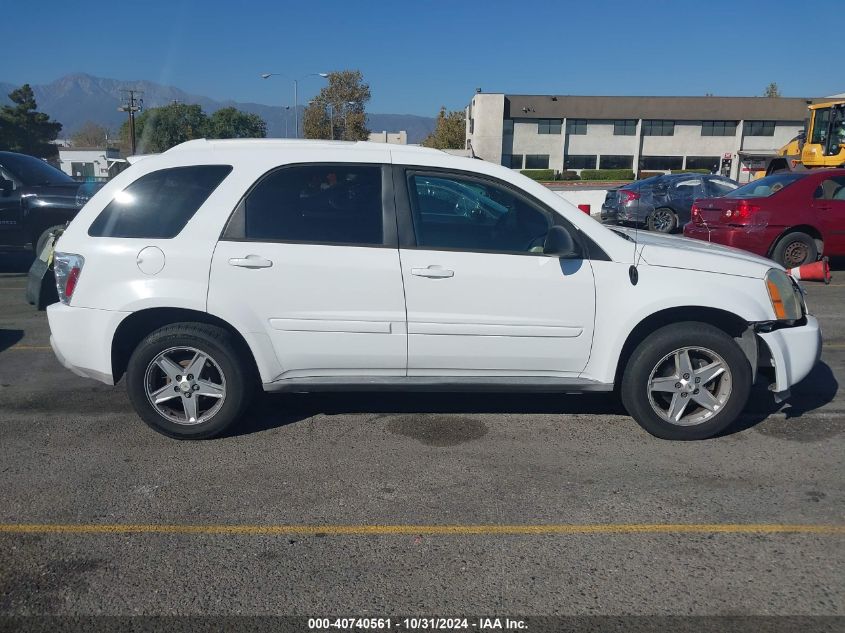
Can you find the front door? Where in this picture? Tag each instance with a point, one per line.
(10, 209)
(482, 298)
(309, 263)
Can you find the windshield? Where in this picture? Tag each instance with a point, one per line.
(32, 171)
(765, 187)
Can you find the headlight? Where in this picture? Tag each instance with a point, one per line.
(785, 299)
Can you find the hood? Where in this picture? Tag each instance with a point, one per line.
(65, 195)
(680, 252)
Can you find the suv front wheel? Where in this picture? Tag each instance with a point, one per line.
(686, 381)
(189, 380)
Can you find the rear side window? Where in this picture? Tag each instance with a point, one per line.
(159, 204)
(322, 204)
(765, 187)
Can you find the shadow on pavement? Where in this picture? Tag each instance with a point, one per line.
(276, 410)
(837, 264)
(16, 262)
(815, 391)
(9, 338)
(271, 411)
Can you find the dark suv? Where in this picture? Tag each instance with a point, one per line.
(35, 198)
(662, 203)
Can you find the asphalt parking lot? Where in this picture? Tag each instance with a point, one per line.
(327, 504)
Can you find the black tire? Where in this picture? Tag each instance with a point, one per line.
(795, 249)
(661, 344)
(657, 224)
(229, 360)
(41, 240)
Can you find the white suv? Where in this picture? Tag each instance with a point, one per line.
(304, 266)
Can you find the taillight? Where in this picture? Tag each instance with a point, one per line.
(67, 267)
(696, 216)
(626, 196)
(744, 210)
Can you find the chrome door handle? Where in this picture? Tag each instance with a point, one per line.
(250, 261)
(433, 272)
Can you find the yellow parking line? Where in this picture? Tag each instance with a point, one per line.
(30, 347)
(455, 530)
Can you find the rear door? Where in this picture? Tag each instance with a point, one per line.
(482, 298)
(684, 191)
(829, 208)
(309, 264)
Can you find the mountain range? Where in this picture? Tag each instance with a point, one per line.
(74, 99)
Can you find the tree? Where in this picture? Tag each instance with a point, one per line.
(159, 129)
(91, 135)
(347, 94)
(772, 90)
(449, 131)
(23, 129)
(232, 123)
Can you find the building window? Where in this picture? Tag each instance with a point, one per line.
(549, 126)
(82, 170)
(611, 161)
(537, 161)
(576, 126)
(658, 128)
(516, 161)
(625, 127)
(718, 128)
(580, 161)
(506, 160)
(471, 126)
(661, 162)
(703, 162)
(507, 127)
(759, 128)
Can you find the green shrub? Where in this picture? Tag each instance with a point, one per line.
(568, 175)
(690, 171)
(607, 174)
(649, 174)
(539, 174)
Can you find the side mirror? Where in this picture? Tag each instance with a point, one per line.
(559, 243)
(6, 186)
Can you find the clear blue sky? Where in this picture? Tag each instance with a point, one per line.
(420, 55)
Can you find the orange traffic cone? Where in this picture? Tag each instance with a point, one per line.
(817, 271)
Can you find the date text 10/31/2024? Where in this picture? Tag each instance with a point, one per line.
(416, 624)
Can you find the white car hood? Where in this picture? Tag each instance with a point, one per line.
(681, 252)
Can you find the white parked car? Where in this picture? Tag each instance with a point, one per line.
(217, 266)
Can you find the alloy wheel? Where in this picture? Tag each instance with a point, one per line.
(662, 220)
(689, 386)
(185, 385)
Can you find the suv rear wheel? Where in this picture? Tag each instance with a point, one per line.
(686, 381)
(189, 380)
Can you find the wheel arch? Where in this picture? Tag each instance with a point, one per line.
(732, 324)
(138, 325)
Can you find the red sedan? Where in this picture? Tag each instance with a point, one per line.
(790, 217)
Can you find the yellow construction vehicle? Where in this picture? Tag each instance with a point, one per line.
(820, 144)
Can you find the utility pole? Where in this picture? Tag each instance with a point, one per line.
(132, 105)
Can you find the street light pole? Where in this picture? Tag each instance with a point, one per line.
(296, 95)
